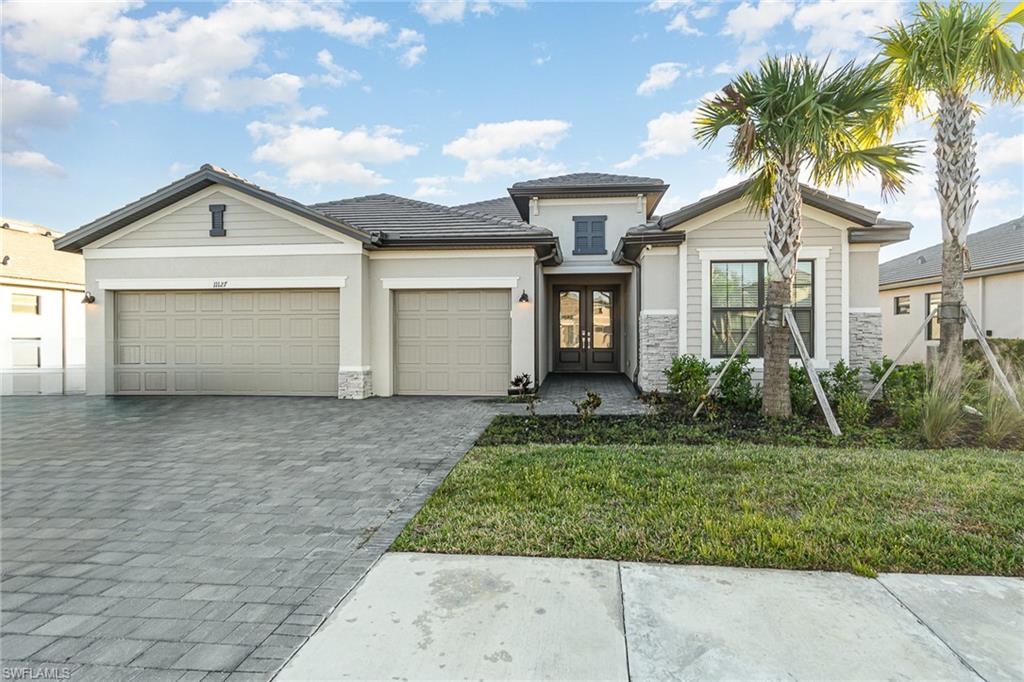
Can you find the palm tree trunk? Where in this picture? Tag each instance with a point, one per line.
(783, 240)
(957, 186)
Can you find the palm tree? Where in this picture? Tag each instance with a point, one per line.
(795, 115)
(952, 53)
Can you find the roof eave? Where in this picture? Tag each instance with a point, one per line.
(180, 189)
(886, 233)
(1006, 268)
(630, 245)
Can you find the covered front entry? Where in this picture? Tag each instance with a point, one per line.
(586, 335)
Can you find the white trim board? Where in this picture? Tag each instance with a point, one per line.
(866, 310)
(655, 312)
(171, 283)
(221, 251)
(449, 282)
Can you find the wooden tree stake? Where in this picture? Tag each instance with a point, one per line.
(732, 357)
(833, 425)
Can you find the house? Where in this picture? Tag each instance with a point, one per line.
(215, 285)
(911, 286)
(42, 342)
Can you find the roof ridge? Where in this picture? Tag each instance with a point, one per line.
(468, 213)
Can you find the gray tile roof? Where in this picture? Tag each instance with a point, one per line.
(587, 180)
(994, 247)
(408, 220)
(502, 207)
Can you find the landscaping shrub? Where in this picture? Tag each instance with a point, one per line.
(1002, 423)
(852, 410)
(736, 392)
(586, 407)
(901, 397)
(801, 393)
(688, 380)
(942, 414)
(1009, 353)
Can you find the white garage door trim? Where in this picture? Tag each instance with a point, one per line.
(226, 283)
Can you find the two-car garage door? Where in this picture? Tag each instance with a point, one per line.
(238, 342)
(454, 342)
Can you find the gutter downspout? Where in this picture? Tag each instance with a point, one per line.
(636, 269)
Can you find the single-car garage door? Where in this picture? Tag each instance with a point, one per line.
(452, 342)
(239, 342)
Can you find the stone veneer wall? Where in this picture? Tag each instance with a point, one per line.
(865, 341)
(659, 343)
(356, 384)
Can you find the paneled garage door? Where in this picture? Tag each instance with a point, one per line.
(239, 342)
(453, 342)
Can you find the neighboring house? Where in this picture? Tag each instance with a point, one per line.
(911, 286)
(214, 285)
(42, 342)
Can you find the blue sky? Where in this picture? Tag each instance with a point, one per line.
(448, 102)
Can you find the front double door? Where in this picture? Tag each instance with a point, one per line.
(586, 329)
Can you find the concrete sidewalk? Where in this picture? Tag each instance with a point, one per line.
(430, 616)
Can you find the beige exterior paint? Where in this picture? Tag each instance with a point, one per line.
(557, 216)
(172, 250)
(452, 341)
(997, 302)
(227, 342)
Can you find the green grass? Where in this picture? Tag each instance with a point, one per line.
(861, 510)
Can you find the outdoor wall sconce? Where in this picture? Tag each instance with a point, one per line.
(524, 298)
(88, 298)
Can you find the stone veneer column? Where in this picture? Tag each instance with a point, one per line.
(865, 340)
(659, 341)
(356, 384)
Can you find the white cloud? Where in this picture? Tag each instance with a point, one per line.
(670, 134)
(161, 56)
(681, 24)
(995, 151)
(487, 149)
(209, 94)
(746, 56)
(324, 155)
(447, 11)
(441, 11)
(335, 75)
(855, 20)
(45, 32)
(412, 44)
(32, 161)
(664, 75)
(432, 186)
(28, 104)
(704, 11)
(725, 182)
(749, 23)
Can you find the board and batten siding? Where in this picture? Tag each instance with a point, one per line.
(245, 224)
(745, 230)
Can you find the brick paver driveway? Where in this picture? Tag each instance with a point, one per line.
(190, 537)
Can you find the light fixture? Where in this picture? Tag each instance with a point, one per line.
(88, 298)
(525, 297)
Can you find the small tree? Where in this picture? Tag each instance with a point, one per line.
(795, 115)
(953, 52)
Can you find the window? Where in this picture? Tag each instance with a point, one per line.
(589, 235)
(25, 353)
(25, 303)
(932, 302)
(901, 305)
(737, 294)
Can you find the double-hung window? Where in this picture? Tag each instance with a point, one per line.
(901, 305)
(588, 237)
(737, 294)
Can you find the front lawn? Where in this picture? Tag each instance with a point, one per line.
(862, 510)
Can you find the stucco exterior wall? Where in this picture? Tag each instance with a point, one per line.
(557, 216)
(997, 301)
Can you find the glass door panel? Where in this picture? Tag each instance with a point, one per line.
(601, 319)
(569, 319)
